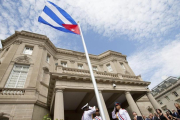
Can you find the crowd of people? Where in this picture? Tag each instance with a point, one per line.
(121, 114)
(158, 115)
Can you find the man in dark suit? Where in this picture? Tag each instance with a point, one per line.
(137, 117)
(175, 114)
(153, 117)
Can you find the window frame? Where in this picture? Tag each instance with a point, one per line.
(160, 102)
(122, 66)
(175, 93)
(20, 73)
(26, 46)
(81, 65)
(108, 68)
(167, 98)
(64, 62)
(96, 68)
(48, 58)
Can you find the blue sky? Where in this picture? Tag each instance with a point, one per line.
(147, 31)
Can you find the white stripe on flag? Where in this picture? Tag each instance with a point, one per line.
(55, 10)
(49, 20)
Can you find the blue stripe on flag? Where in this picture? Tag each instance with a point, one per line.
(52, 15)
(64, 13)
(40, 19)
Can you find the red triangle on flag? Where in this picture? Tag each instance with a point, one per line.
(73, 28)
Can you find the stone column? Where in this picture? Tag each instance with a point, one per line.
(153, 101)
(117, 66)
(59, 105)
(9, 56)
(104, 106)
(128, 68)
(132, 103)
(37, 53)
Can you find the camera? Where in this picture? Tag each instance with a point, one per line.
(146, 87)
(114, 85)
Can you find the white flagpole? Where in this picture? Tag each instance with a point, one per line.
(92, 76)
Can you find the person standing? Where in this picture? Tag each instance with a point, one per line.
(119, 113)
(153, 117)
(161, 115)
(137, 117)
(88, 112)
(177, 107)
(98, 117)
(175, 114)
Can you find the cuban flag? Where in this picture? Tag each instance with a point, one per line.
(57, 18)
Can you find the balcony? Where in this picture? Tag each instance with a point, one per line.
(97, 74)
(18, 95)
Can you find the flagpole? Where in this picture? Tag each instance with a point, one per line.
(92, 76)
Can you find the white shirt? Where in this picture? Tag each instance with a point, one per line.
(121, 114)
(87, 115)
(97, 118)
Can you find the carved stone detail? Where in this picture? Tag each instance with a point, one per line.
(41, 46)
(23, 59)
(79, 57)
(17, 42)
(72, 61)
(114, 60)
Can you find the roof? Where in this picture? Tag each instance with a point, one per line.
(164, 85)
(60, 50)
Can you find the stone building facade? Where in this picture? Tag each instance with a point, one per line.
(167, 93)
(36, 79)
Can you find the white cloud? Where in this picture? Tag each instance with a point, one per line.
(138, 19)
(156, 61)
(135, 18)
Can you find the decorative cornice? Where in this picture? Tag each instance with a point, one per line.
(18, 42)
(23, 59)
(114, 60)
(72, 61)
(59, 50)
(42, 46)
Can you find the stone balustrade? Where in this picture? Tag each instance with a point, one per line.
(129, 77)
(105, 74)
(75, 71)
(12, 91)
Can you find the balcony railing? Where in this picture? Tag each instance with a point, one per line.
(12, 91)
(75, 71)
(18, 91)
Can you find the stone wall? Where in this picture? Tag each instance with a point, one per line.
(18, 111)
(39, 112)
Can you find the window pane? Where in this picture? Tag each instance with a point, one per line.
(109, 68)
(17, 77)
(80, 66)
(28, 50)
(122, 65)
(64, 64)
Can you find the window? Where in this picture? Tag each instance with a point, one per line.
(175, 93)
(160, 102)
(80, 66)
(95, 68)
(167, 98)
(122, 65)
(28, 50)
(17, 77)
(48, 58)
(109, 68)
(64, 64)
